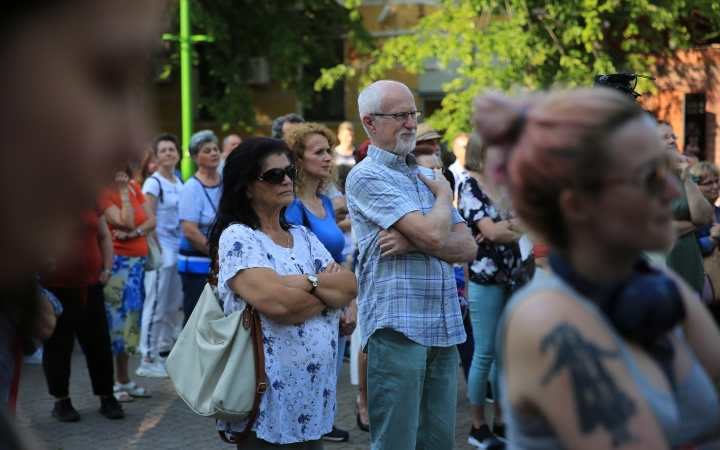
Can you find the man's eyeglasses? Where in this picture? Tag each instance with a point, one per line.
(402, 117)
(665, 137)
(710, 183)
(277, 176)
(651, 178)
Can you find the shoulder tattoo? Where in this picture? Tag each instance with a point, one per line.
(599, 402)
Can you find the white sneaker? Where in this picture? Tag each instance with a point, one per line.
(35, 358)
(151, 370)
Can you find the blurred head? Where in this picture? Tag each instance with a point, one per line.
(709, 183)
(204, 149)
(283, 124)
(343, 171)
(584, 167)
(429, 161)
(459, 145)
(312, 144)
(667, 136)
(230, 142)
(392, 134)
(166, 149)
(70, 68)
(147, 166)
(474, 153)
(361, 151)
(427, 136)
(346, 134)
(244, 193)
(692, 159)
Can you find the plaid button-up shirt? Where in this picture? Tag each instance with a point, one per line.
(414, 294)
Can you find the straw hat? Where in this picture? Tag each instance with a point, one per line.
(425, 132)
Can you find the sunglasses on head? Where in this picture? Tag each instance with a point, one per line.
(277, 176)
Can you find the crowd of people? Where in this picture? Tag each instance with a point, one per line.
(567, 257)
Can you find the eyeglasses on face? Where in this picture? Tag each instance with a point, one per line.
(402, 117)
(652, 178)
(665, 137)
(708, 183)
(277, 176)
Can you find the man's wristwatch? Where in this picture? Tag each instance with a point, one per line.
(313, 280)
(138, 231)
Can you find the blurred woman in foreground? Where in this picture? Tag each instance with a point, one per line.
(604, 349)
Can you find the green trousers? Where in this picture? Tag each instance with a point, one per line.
(412, 393)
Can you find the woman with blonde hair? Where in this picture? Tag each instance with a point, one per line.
(603, 349)
(312, 147)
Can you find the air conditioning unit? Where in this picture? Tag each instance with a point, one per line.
(258, 71)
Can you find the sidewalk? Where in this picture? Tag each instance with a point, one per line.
(164, 421)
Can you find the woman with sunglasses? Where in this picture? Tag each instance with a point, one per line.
(603, 349)
(312, 147)
(291, 279)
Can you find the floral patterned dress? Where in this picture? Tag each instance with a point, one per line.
(299, 404)
(493, 262)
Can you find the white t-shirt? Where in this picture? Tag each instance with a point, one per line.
(168, 227)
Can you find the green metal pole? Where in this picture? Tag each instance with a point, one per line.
(187, 165)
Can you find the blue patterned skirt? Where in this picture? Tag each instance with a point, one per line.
(124, 298)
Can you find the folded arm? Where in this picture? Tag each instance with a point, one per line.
(337, 286)
(192, 233)
(265, 291)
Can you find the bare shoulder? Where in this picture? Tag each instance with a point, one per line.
(561, 362)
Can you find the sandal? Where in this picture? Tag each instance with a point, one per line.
(133, 389)
(121, 395)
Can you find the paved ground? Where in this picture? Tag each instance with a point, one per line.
(163, 421)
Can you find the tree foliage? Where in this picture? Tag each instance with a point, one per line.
(516, 45)
(290, 34)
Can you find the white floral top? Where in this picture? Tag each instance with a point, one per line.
(299, 404)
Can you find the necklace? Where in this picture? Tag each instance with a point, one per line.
(286, 232)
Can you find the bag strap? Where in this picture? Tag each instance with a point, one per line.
(160, 196)
(212, 277)
(252, 319)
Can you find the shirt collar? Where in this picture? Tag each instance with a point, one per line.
(393, 161)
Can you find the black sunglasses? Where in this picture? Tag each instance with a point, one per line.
(276, 176)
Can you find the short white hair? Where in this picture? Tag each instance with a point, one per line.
(370, 99)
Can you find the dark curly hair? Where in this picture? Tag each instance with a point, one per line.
(242, 167)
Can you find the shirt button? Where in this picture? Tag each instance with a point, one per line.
(446, 275)
(422, 198)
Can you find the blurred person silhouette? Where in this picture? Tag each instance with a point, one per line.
(283, 124)
(345, 150)
(84, 53)
(229, 143)
(147, 166)
(604, 349)
(691, 212)
(197, 210)
(130, 219)
(163, 287)
(458, 167)
(426, 157)
(427, 139)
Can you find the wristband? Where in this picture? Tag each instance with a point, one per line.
(108, 271)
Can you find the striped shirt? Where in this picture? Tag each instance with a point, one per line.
(414, 293)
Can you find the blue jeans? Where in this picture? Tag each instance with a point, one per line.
(412, 393)
(486, 307)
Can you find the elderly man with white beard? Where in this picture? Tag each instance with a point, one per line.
(409, 235)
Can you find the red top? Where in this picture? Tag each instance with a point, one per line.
(80, 269)
(136, 246)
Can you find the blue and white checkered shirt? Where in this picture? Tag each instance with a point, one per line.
(414, 294)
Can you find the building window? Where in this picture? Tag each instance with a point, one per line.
(695, 125)
(328, 104)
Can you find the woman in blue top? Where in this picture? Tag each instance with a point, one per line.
(312, 146)
(197, 210)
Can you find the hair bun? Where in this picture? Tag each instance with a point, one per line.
(498, 119)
